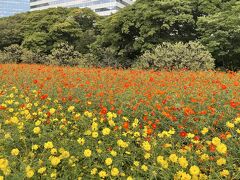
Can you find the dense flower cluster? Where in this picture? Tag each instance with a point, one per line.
(69, 123)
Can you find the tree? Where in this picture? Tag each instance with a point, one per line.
(220, 32)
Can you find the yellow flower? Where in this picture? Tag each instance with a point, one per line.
(81, 141)
(95, 134)
(222, 148)
(146, 146)
(64, 154)
(114, 172)
(144, 168)
(164, 164)
(203, 177)
(102, 174)
(108, 161)
(53, 174)
(53, 151)
(129, 178)
(1, 178)
(29, 172)
(216, 141)
(229, 124)
(15, 152)
(48, 145)
(221, 161)
(224, 173)
(113, 153)
(106, 131)
(36, 130)
(4, 166)
(180, 175)
(204, 157)
(87, 153)
(173, 158)
(194, 170)
(122, 144)
(183, 162)
(136, 163)
(42, 170)
(71, 108)
(147, 155)
(160, 159)
(52, 110)
(94, 171)
(55, 161)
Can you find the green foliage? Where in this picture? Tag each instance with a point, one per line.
(190, 55)
(221, 34)
(64, 54)
(11, 54)
(146, 23)
(40, 31)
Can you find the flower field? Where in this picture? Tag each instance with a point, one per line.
(73, 123)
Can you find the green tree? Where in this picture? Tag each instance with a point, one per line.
(220, 32)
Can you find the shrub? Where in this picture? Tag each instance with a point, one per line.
(30, 57)
(11, 54)
(64, 54)
(192, 55)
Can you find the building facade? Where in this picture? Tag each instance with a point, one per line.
(11, 7)
(101, 7)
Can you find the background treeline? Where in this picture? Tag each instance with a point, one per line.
(193, 34)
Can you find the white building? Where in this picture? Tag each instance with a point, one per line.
(101, 7)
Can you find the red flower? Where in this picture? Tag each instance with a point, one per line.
(44, 96)
(103, 111)
(126, 125)
(183, 134)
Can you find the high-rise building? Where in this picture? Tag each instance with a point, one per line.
(102, 7)
(11, 7)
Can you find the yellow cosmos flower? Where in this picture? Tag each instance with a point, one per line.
(222, 148)
(102, 174)
(147, 155)
(4, 166)
(114, 172)
(194, 170)
(108, 161)
(52, 110)
(216, 141)
(81, 141)
(183, 162)
(71, 108)
(224, 173)
(204, 157)
(113, 153)
(129, 178)
(87, 153)
(144, 168)
(106, 131)
(221, 161)
(55, 161)
(42, 170)
(95, 134)
(173, 158)
(180, 175)
(94, 171)
(122, 144)
(15, 152)
(48, 145)
(136, 163)
(29, 172)
(146, 146)
(229, 124)
(36, 130)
